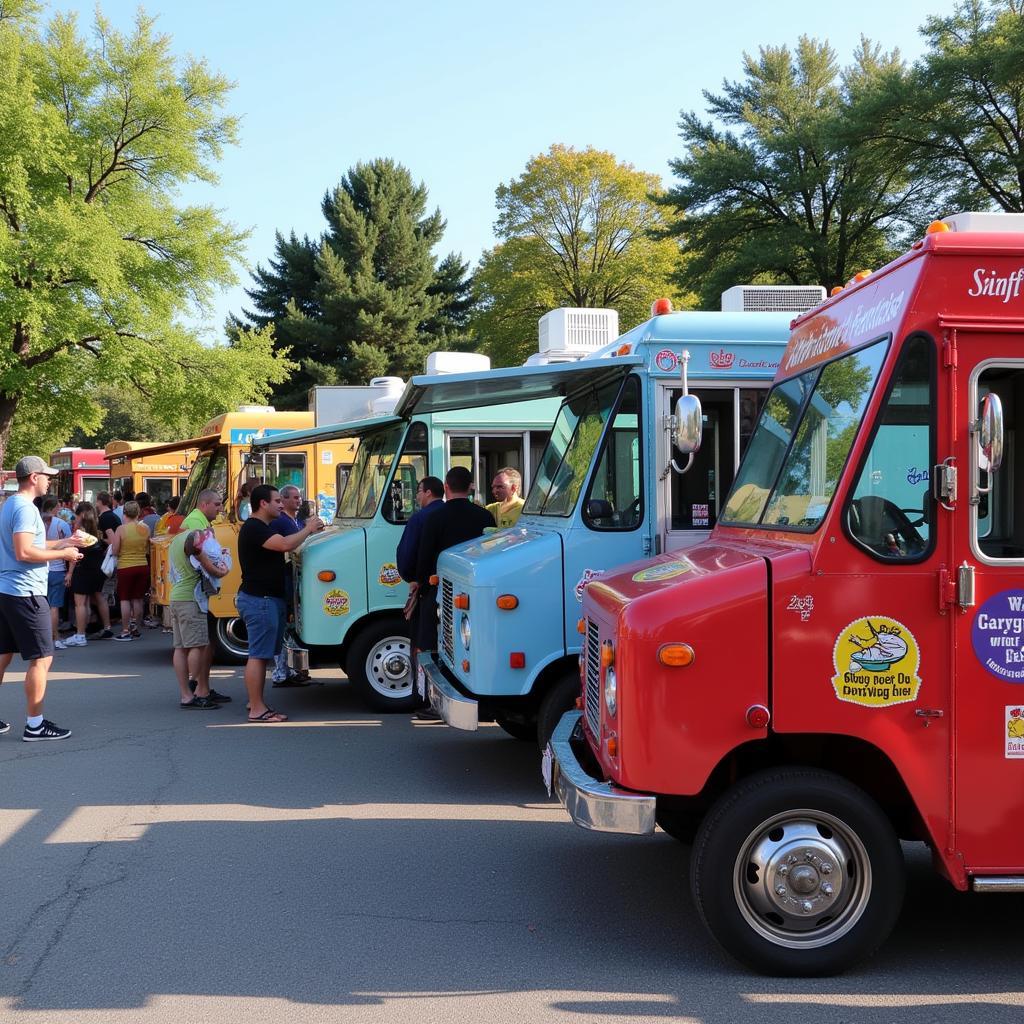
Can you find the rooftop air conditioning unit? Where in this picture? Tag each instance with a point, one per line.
(1011, 222)
(772, 298)
(576, 332)
(456, 362)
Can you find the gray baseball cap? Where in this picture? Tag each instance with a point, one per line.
(32, 464)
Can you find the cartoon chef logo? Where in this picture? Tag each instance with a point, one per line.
(666, 361)
(336, 602)
(1014, 731)
(389, 576)
(877, 661)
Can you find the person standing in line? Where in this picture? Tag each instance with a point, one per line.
(66, 509)
(24, 615)
(506, 486)
(131, 545)
(59, 574)
(261, 551)
(193, 652)
(108, 518)
(118, 497)
(286, 524)
(87, 580)
(147, 513)
(458, 520)
(170, 521)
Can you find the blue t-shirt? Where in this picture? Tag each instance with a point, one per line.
(21, 579)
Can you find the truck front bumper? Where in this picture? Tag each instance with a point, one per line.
(457, 710)
(592, 804)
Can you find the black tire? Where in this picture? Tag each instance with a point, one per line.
(518, 730)
(230, 641)
(680, 823)
(381, 648)
(744, 881)
(561, 697)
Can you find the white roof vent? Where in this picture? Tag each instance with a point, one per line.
(256, 408)
(576, 332)
(772, 298)
(457, 362)
(1000, 222)
(389, 390)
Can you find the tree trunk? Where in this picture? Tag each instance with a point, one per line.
(8, 407)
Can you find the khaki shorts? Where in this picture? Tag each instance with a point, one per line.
(189, 625)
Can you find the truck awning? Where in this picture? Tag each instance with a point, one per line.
(207, 441)
(351, 429)
(450, 391)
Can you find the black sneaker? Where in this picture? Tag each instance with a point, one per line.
(4, 727)
(200, 704)
(107, 634)
(46, 731)
(219, 698)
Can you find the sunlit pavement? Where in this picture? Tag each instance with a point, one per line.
(167, 865)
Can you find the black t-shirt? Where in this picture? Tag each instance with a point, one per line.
(262, 570)
(108, 521)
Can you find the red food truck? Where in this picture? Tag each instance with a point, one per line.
(840, 666)
(83, 471)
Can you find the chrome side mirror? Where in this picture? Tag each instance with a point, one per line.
(990, 431)
(687, 418)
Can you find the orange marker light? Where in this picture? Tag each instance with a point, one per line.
(433, 581)
(581, 625)
(676, 655)
(325, 576)
(607, 654)
(612, 746)
(622, 350)
(465, 666)
(835, 291)
(461, 601)
(862, 275)
(507, 602)
(937, 227)
(661, 306)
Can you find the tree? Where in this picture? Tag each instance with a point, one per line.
(576, 230)
(367, 298)
(958, 117)
(99, 262)
(784, 185)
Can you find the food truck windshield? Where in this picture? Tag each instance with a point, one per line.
(372, 467)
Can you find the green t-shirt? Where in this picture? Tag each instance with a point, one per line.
(509, 517)
(188, 576)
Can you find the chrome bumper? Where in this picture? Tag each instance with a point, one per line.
(458, 711)
(599, 806)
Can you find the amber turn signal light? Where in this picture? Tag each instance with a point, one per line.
(607, 653)
(613, 746)
(507, 602)
(676, 655)
(433, 581)
(461, 601)
(465, 666)
(581, 625)
(326, 576)
(936, 227)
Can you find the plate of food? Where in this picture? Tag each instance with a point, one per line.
(86, 540)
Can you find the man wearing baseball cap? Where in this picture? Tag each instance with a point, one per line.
(24, 612)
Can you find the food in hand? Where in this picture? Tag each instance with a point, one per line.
(83, 538)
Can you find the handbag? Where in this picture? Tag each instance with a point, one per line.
(109, 564)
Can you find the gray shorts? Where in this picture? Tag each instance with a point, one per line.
(189, 625)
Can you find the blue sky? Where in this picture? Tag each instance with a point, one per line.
(464, 93)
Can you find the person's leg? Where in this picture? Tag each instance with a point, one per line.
(204, 668)
(180, 661)
(81, 614)
(262, 618)
(103, 609)
(35, 685)
(196, 664)
(126, 608)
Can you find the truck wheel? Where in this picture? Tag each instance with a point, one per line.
(230, 640)
(797, 872)
(561, 697)
(518, 730)
(380, 666)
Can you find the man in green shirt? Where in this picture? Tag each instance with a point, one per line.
(193, 653)
(506, 485)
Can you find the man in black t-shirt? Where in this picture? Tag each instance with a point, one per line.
(261, 597)
(109, 520)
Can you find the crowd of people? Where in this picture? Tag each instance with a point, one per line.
(58, 553)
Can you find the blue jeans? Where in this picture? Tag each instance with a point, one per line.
(264, 619)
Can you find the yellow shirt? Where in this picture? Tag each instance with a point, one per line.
(508, 517)
(134, 545)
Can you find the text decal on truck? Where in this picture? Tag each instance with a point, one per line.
(998, 635)
(877, 662)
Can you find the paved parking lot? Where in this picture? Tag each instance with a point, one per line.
(166, 865)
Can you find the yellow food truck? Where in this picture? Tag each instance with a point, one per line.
(223, 462)
(160, 475)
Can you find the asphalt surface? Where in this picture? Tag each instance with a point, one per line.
(180, 866)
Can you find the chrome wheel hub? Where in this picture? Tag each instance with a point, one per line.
(389, 667)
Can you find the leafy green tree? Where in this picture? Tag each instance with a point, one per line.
(784, 184)
(576, 230)
(368, 297)
(99, 262)
(958, 117)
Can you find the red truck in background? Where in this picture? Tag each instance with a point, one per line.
(841, 664)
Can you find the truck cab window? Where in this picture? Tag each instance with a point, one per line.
(615, 498)
(400, 504)
(999, 526)
(891, 504)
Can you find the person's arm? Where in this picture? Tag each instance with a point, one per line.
(115, 543)
(276, 542)
(426, 557)
(405, 556)
(26, 551)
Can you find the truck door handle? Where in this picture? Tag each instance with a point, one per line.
(928, 714)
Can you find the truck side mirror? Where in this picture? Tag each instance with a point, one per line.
(687, 417)
(990, 431)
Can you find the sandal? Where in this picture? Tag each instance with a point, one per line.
(269, 717)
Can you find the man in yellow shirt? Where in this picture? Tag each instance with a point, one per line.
(506, 485)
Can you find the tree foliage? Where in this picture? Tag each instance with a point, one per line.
(99, 261)
(576, 230)
(367, 298)
(784, 184)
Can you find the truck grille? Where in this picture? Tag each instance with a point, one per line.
(447, 621)
(592, 656)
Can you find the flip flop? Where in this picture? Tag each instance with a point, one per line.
(269, 717)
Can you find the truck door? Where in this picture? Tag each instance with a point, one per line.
(989, 691)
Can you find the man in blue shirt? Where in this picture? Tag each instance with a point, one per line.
(24, 611)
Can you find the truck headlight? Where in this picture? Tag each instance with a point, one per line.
(611, 688)
(464, 631)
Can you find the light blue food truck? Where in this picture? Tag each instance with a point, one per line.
(606, 491)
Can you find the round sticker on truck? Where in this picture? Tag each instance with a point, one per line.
(336, 602)
(997, 635)
(389, 576)
(877, 661)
